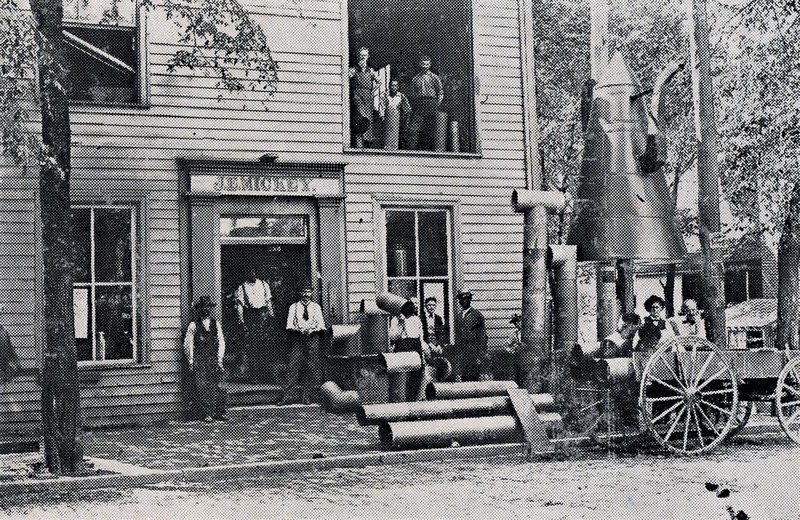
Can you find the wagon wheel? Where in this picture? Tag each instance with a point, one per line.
(787, 399)
(688, 397)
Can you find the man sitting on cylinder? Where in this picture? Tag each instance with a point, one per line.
(620, 344)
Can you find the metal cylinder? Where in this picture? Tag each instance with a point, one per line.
(389, 302)
(440, 132)
(438, 390)
(442, 433)
(395, 362)
(455, 138)
(346, 339)
(606, 299)
(335, 400)
(401, 264)
(370, 307)
(565, 295)
(452, 408)
(524, 200)
(375, 333)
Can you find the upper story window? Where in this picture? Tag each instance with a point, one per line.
(102, 57)
(105, 290)
(411, 75)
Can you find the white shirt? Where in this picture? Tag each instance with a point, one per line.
(254, 295)
(410, 327)
(314, 323)
(188, 341)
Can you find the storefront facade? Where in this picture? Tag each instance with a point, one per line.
(177, 193)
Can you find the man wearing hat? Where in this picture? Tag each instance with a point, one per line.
(304, 323)
(471, 339)
(204, 346)
(654, 328)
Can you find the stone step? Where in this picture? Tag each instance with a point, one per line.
(250, 394)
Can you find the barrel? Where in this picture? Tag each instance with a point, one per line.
(335, 400)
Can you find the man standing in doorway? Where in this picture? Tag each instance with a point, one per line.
(426, 93)
(471, 339)
(304, 323)
(433, 332)
(253, 300)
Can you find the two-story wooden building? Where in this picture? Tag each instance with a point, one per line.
(179, 187)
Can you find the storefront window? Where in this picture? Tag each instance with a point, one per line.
(430, 109)
(418, 255)
(104, 292)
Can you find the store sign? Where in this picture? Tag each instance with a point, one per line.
(264, 185)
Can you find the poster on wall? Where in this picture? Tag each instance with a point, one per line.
(80, 308)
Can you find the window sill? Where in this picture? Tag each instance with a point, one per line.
(413, 153)
(86, 106)
(108, 365)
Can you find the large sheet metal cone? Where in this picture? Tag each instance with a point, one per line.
(621, 211)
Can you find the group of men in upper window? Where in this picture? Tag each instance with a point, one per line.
(408, 121)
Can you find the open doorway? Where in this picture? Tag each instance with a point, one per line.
(286, 268)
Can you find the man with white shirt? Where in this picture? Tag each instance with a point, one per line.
(204, 346)
(253, 300)
(471, 339)
(304, 323)
(689, 322)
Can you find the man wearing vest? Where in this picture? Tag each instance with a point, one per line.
(204, 346)
(253, 300)
(304, 324)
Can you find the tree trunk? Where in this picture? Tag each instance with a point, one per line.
(60, 392)
(788, 275)
(712, 273)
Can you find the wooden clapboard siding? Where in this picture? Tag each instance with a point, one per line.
(118, 150)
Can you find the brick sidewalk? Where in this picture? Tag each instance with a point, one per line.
(251, 435)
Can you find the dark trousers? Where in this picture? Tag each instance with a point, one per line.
(303, 353)
(469, 364)
(211, 397)
(422, 125)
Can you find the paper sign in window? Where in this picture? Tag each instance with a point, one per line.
(80, 308)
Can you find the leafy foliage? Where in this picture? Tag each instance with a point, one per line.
(18, 50)
(224, 42)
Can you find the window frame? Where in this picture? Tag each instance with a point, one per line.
(93, 284)
(452, 206)
(141, 200)
(476, 152)
(142, 62)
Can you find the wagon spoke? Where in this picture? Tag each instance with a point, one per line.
(694, 363)
(667, 411)
(664, 383)
(791, 389)
(712, 378)
(697, 425)
(686, 427)
(672, 371)
(715, 407)
(794, 417)
(717, 392)
(707, 420)
(702, 371)
(667, 398)
(674, 424)
(791, 403)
